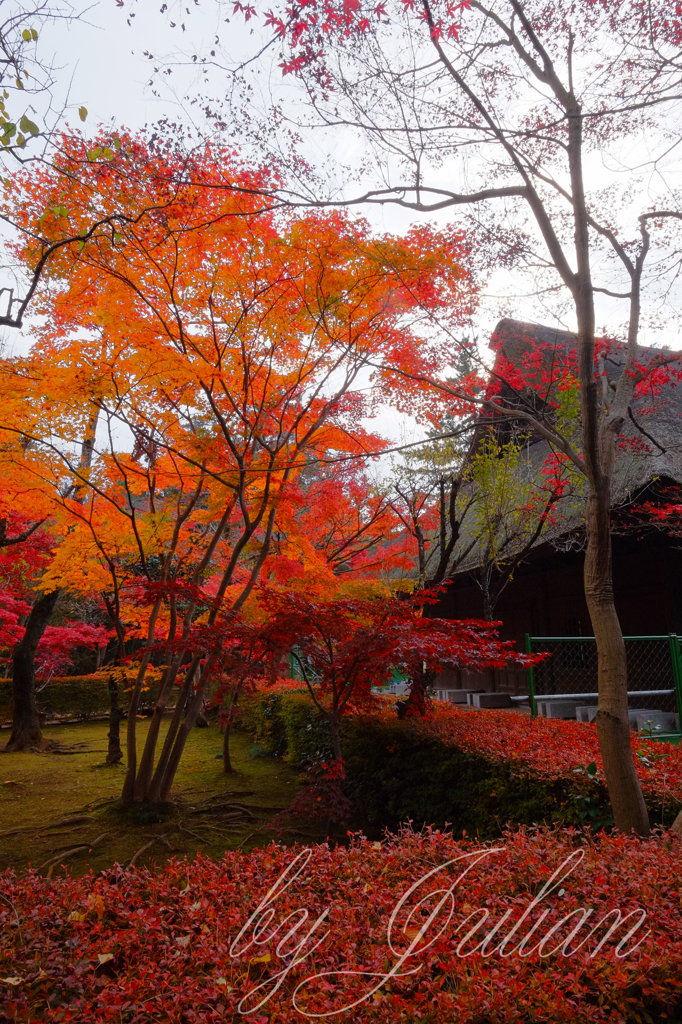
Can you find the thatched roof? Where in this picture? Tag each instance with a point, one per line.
(651, 446)
(653, 436)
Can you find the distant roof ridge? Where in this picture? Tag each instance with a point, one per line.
(518, 331)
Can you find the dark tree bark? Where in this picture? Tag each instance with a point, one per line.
(227, 726)
(114, 754)
(26, 732)
(335, 728)
(417, 701)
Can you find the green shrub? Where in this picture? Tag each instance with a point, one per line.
(81, 697)
(400, 771)
(287, 724)
(396, 773)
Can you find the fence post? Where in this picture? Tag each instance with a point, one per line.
(677, 673)
(531, 679)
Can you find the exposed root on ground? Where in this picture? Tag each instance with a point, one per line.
(52, 862)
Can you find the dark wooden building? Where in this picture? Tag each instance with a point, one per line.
(545, 597)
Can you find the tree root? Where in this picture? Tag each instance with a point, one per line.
(235, 792)
(79, 819)
(147, 846)
(95, 807)
(52, 862)
(257, 807)
(202, 839)
(235, 809)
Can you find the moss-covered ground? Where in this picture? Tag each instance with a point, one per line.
(39, 790)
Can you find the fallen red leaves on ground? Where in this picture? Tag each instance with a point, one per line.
(134, 946)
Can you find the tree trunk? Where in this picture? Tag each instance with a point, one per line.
(599, 452)
(229, 718)
(26, 733)
(179, 745)
(227, 760)
(154, 791)
(336, 736)
(131, 730)
(613, 726)
(143, 781)
(114, 754)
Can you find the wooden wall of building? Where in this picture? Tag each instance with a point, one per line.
(546, 598)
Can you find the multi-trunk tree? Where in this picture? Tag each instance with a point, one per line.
(227, 354)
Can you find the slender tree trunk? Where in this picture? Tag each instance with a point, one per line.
(114, 754)
(179, 745)
(26, 732)
(229, 718)
(143, 781)
(227, 760)
(131, 731)
(613, 726)
(335, 727)
(154, 792)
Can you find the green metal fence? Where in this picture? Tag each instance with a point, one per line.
(570, 674)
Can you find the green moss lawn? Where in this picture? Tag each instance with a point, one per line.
(54, 803)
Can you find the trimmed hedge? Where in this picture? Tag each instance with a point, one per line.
(402, 771)
(396, 773)
(80, 697)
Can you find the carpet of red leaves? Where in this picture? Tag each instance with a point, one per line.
(136, 946)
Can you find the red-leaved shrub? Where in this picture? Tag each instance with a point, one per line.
(551, 747)
(134, 946)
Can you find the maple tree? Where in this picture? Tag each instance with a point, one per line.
(658, 509)
(232, 377)
(29, 537)
(345, 646)
(517, 100)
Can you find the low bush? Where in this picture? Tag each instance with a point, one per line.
(287, 723)
(79, 697)
(129, 946)
(474, 770)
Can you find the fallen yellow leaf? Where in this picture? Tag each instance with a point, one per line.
(96, 903)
